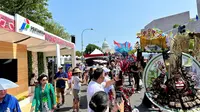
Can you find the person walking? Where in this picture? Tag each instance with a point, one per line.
(69, 89)
(91, 72)
(99, 103)
(33, 83)
(109, 90)
(135, 70)
(44, 98)
(86, 76)
(61, 77)
(8, 103)
(98, 84)
(125, 92)
(76, 80)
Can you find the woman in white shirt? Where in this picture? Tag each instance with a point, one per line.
(33, 82)
(76, 80)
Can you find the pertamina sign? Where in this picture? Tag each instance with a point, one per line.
(27, 27)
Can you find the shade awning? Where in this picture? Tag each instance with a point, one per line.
(96, 51)
(62, 52)
(9, 36)
(33, 44)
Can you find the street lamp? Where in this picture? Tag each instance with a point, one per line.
(82, 41)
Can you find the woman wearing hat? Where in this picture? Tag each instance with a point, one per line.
(76, 80)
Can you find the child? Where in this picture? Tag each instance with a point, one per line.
(76, 80)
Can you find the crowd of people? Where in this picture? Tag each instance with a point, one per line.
(106, 91)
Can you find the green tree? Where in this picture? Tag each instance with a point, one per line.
(176, 25)
(35, 10)
(90, 48)
(78, 53)
(57, 29)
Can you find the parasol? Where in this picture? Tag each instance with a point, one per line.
(7, 84)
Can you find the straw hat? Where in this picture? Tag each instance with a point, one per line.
(70, 69)
(76, 70)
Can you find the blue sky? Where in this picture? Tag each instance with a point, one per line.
(118, 20)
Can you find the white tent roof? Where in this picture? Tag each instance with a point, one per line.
(96, 51)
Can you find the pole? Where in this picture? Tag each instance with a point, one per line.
(82, 46)
(82, 43)
(58, 55)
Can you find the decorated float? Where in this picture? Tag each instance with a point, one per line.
(153, 40)
(172, 77)
(123, 55)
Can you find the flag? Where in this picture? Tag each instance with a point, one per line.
(116, 43)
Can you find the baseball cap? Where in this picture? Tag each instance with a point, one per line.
(60, 67)
(106, 70)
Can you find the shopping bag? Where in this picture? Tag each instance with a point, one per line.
(141, 83)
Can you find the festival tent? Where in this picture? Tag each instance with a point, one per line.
(95, 54)
(100, 61)
(96, 51)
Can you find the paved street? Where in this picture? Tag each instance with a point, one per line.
(136, 100)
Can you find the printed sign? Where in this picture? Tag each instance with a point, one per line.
(27, 27)
(6, 22)
(57, 40)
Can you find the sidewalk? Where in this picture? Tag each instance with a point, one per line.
(26, 108)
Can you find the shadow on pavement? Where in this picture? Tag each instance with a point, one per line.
(64, 109)
(142, 108)
(83, 102)
(83, 90)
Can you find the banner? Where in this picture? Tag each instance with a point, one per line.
(153, 40)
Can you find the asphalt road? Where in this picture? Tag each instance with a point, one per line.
(136, 100)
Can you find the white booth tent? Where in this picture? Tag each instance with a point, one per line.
(96, 51)
(48, 43)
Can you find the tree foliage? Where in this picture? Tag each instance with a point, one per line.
(57, 29)
(78, 53)
(91, 47)
(36, 11)
(176, 25)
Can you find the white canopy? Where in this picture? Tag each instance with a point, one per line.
(96, 51)
(100, 61)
